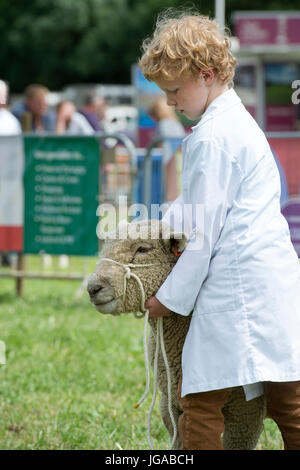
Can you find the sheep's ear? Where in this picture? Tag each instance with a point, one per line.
(176, 243)
(173, 241)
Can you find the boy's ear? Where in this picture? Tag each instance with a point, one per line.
(208, 76)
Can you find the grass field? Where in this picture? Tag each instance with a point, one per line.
(72, 375)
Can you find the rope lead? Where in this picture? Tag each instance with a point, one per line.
(159, 342)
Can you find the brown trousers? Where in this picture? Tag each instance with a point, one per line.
(201, 424)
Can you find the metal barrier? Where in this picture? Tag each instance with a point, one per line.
(128, 144)
(156, 171)
(168, 146)
(147, 171)
(18, 270)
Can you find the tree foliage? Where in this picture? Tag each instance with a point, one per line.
(58, 42)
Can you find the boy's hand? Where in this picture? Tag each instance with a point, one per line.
(156, 309)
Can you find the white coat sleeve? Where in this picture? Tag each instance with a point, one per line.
(210, 182)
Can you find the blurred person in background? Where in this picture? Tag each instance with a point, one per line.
(69, 121)
(93, 110)
(167, 122)
(168, 126)
(33, 112)
(9, 125)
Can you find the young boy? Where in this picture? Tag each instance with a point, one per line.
(243, 283)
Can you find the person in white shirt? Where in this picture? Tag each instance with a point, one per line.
(9, 125)
(239, 273)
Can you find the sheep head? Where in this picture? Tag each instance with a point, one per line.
(144, 242)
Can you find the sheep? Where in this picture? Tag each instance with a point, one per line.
(151, 243)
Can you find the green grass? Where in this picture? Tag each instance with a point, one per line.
(72, 375)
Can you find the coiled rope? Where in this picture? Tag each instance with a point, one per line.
(159, 342)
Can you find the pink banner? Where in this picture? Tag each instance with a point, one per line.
(288, 153)
(256, 28)
(281, 117)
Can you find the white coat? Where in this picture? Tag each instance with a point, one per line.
(243, 283)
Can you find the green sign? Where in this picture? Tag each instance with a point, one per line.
(61, 193)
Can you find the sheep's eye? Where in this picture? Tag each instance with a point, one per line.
(143, 249)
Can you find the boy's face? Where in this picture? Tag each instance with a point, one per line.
(190, 96)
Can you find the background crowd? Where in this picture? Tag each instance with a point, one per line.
(33, 114)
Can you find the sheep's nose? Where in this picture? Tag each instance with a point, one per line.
(94, 286)
(94, 290)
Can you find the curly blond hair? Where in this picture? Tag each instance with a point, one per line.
(184, 45)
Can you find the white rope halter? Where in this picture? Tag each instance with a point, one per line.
(159, 342)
